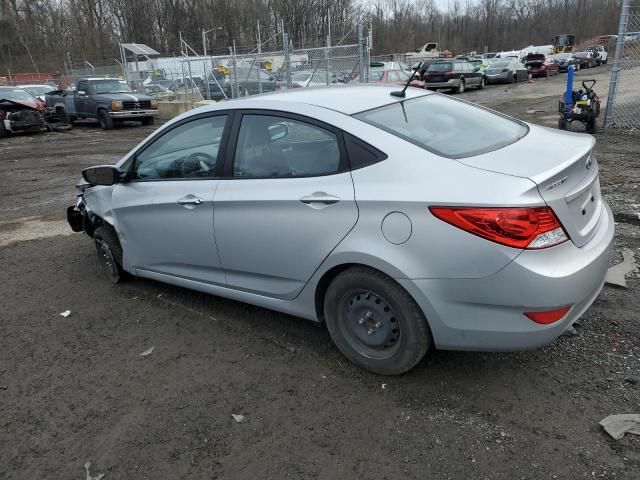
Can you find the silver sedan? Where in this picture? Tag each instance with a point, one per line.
(403, 223)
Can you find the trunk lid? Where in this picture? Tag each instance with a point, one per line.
(563, 167)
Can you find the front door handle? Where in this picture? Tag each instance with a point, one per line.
(190, 200)
(319, 199)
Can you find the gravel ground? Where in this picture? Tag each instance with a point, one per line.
(76, 389)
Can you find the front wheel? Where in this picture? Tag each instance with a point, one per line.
(375, 323)
(109, 253)
(482, 82)
(460, 88)
(106, 122)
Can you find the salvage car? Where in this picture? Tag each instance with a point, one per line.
(455, 75)
(403, 220)
(600, 52)
(565, 60)
(510, 71)
(540, 65)
(586, 59)
(107, 100)
(20, 112)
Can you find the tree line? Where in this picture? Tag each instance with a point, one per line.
(35, 35)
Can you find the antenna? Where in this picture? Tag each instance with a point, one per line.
(401, 93)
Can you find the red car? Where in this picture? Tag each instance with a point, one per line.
(539, 65)
(19, 111)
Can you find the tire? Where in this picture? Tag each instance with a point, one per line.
(147, 121)
(578, 68)
(460, 88)
(3, 130)
(106, 122)
(514, 79)
(481, 86)
(548, 74)
(109, 253)
(563, 124)
(64, 117)
(361, 300)
(591, 126)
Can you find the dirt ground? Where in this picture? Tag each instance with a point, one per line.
(76, 389)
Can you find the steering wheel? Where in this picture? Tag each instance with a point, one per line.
(196, 163)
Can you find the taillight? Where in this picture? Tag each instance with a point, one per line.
(524, 228)
(548, 316)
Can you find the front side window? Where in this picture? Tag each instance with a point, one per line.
(186, 152)
(270, 146)
(450, 128)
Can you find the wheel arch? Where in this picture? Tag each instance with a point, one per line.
(327, 276)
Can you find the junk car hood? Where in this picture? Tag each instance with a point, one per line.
(21, 104)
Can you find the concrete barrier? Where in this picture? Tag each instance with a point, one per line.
(170, 109)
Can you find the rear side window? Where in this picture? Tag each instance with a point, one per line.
(444, 126)
(439, 67)
(360, 153)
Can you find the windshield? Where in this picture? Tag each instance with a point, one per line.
(16, 95)
(582, 54)
(37, 91)
(447, 127)
(500, 65)
(110, 86)
(439, 67)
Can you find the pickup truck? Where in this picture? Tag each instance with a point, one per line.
(600, 52)
(108, 100)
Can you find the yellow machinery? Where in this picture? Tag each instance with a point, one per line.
(563, 43)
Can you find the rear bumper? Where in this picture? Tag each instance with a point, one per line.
(133, 113)
(539, 73)
(498, 78)
(487, 313)
(453, 83)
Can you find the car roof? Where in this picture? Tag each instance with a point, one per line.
(345, 99)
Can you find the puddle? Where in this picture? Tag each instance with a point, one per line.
(31, 228)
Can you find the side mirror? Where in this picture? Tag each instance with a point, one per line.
(101, 175)
(81, 93)
(278, 131)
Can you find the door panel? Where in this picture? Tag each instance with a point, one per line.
(272, 235)
(167, 227)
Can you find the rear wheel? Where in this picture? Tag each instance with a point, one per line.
(374, 322)
(563, 124)
(109, 253)
(591, 126)
(106, 122)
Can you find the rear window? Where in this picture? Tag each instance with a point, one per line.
(447, 127)
(439, 67)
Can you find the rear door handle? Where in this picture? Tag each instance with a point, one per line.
(321, 198)
(190, 200)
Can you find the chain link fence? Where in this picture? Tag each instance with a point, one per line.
(623, 104)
